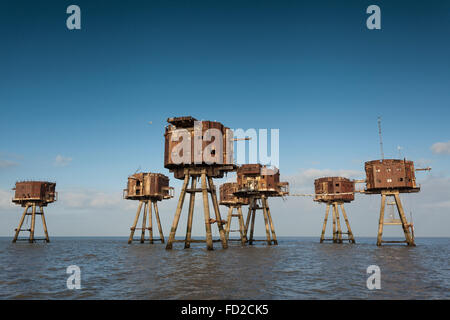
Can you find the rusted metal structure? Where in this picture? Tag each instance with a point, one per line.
(198, 150)
(148, 188)
(30, 195)
(259, 179)
(257, 183)
(228, 199)
(390, 174)
(190, 143)
(390, 177)
(335, 191)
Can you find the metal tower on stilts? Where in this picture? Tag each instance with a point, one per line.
(148, 188)
(258, 183)
(390, 178)
(234, 204)
(33, 195)
(335, 191)
(198, 150)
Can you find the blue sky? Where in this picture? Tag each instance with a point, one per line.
(311, 69)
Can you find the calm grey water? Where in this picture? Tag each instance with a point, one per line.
(298, 268)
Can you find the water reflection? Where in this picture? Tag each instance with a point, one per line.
(298, 268)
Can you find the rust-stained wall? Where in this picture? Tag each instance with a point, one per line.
(227, 196)
(333, 185)
(390, 174)
(148, 185)
(178, 125)
(42, 191)
(258, 178)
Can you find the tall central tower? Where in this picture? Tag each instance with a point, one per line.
(198, 150)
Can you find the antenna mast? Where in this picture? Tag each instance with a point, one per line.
(399, 152)
(381, 138)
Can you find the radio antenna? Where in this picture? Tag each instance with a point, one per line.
(381, 138)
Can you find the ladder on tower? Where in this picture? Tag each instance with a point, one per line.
(391, 219)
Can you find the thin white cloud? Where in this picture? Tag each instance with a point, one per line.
(5, 199)
(91, 199)
(438, 205)
(61, 161)
(423, 163)
(7, 164)
(304, 180)
(435, 192)
(441, 148)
